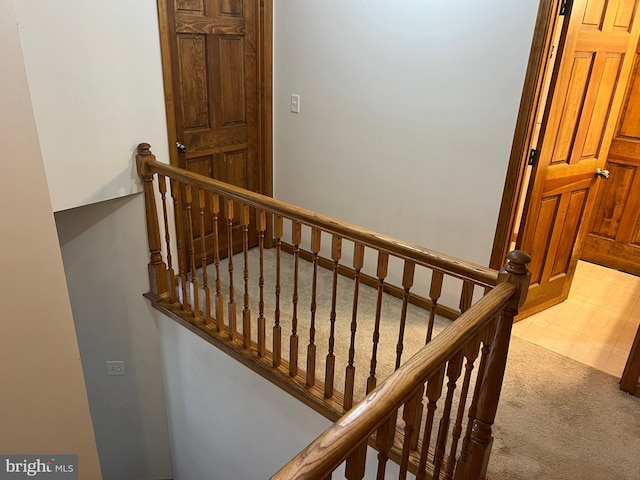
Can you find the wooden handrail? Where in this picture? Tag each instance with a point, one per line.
(482, 331)
(326, 453)
(429, 258)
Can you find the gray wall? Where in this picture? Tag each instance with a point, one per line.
(104, 249)
(407, 113)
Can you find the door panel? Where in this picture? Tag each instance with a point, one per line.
(215, 92)
(585, 98)
(614, 236)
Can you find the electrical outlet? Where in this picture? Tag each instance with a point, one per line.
(295, 103)
(116, 367)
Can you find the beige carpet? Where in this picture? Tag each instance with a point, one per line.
(558, 419)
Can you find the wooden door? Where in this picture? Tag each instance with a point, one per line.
(216, 95)
(614, 236)
(586, 93)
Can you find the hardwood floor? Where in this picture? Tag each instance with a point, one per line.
(596, 325)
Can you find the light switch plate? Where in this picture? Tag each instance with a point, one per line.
(295, 103)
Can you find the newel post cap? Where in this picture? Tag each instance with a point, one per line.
(142, 155)
(517, 261)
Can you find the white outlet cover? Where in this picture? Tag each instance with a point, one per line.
(116, 367)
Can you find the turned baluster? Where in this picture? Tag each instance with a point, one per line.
(262, 325)
(435, 290)
(453, 373)
(471, 351)
(195, 297)
(407, 283)
(232, 300)
(336, 253)
(516, 273)
(434, 390)
(384, 441)
(434, 294)
(486, 336)
(296, 239)
(246, 312)
(171, 278)
(219, 306)
(381, 273)
(316, 236)
(350, 373)
(277, 329)
(466, 296)
(203, 259)
(409, 417)
(356, 462)
(157, 268)
(176, 193)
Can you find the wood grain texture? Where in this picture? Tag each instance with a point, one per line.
(614, 236)
(326, 452)
(586, 96)
(420, 255)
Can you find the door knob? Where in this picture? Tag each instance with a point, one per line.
(602, 173)
(183, 149)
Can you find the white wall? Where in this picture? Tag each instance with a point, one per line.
(407, 116)
(228, 422)
(95, 78)
(43, 401)
(104, 249)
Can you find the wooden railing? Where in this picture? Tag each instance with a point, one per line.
(284, 316)
(630, 381)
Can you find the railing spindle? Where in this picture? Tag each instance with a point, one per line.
(262, 325)
(203, 255)
(246, 312)
(434, 294)
(316, 236)
(176, 193)
(471, 351)
(219, 307)
(171, 278)
(384, 441)
(296, 239)
(487, 338)
(466, 297)
(277, 329)
(336, 253)
(195, 297)
(350, 373)
(407, 283)
(381, 273)
(409, 417)
(434, 390)
(453, 373)
(356, 462)
(232, 300)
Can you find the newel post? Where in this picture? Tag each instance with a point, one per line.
(157, 267)
(515, 271)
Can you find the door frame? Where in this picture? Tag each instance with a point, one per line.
(265, 90)
(548, 15)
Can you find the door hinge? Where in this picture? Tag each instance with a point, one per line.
(565, 7)
(533, 156)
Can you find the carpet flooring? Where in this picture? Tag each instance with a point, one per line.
(557, 419)
(560, 419)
